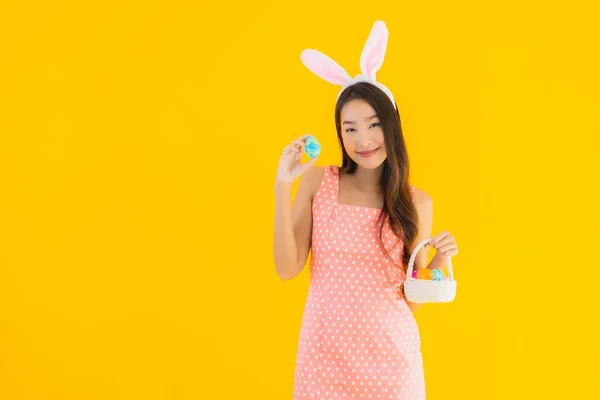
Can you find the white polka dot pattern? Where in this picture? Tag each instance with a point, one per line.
(359, 339)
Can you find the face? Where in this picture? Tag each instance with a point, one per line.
(362, 134)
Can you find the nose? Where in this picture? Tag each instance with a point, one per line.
(364, 140)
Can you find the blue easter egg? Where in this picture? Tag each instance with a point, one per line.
(312, 147)
(438, 275)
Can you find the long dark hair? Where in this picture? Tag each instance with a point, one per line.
(398, 209)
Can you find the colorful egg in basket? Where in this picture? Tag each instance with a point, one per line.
(425, 273)
(429, 286)
(438, 275)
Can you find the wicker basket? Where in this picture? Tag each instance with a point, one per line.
(428, 291)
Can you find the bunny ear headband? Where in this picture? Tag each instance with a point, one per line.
(371, 60)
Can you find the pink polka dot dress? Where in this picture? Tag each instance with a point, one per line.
(358, 339)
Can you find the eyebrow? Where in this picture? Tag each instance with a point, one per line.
(354, 122)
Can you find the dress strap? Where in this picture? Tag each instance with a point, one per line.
(325, 201)
(334, 172)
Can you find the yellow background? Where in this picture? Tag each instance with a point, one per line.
(139, 145)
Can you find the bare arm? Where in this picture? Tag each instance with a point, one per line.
(424, 205)
(293, 224)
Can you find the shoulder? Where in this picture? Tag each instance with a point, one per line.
(311, 180)
(423, 201)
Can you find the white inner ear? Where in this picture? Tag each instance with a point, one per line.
(372, 60)
(325, 67)
(373, 54)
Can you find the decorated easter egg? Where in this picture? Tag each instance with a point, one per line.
(425, 273)
(438, 275)
(414, 273)
(312, 147)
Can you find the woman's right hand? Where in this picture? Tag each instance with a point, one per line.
(290, 167)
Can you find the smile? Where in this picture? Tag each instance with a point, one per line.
(366, 154)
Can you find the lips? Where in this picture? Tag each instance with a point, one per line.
(367, 153)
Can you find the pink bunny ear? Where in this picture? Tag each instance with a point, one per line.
(373, 53)
(324, 67)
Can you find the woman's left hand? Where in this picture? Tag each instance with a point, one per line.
(444, 244)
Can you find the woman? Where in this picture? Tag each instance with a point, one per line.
(359, 338)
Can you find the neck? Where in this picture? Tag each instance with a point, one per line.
(368, 179)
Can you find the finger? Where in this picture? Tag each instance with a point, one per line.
(442, 242)
(438, 237)
(299, 143)
(290, 150)
(296, 145)
(451, 252)
(446, 247)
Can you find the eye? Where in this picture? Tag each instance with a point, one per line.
(375, 124)
(350, 129)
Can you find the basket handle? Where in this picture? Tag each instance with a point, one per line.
(411, 261)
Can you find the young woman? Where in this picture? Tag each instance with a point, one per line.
(359, 338)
